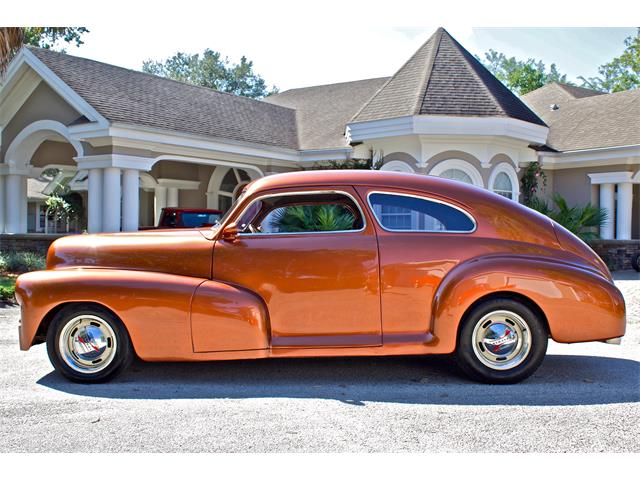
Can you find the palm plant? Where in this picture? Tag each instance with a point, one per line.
(11, 39)
(581, 221)
(312, 218)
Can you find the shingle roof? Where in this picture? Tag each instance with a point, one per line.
(442, 78)
(324, 111)
(541, 99)
(132, 97)
(595, 121)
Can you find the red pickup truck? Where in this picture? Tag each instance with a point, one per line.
(188, 217)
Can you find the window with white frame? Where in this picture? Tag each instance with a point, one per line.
(502, 185)
(456, 174)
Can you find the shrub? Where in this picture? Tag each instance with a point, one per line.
(7, 289)
(7, 294)
(21, 262)
(581, 221)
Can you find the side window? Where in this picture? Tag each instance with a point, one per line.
(302, 213)
(407, 213)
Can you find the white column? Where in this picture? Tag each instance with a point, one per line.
(95, 198)
(607, 199)
(111, 200)
(2, 202)
(160, 201)
(15, 204)
(623, 211)
(23, 203)
(172, 197)
(130, 200)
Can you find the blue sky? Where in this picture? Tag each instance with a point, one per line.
(303, 55)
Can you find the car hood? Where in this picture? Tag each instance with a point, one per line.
(183, 252)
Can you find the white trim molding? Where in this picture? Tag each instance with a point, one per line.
(159, 140)
(176, 183)
(594, 157)
(447, 125)
(25, 144)
(458, 164)
(610, 177)
(506, 168)
(115, 160)
(27, 58)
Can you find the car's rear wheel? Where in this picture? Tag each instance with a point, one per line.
(88, 344)
(501, 340)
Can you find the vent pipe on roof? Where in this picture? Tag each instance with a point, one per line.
(554, 106)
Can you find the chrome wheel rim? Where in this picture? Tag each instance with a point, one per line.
(87, 344)
(501, 340)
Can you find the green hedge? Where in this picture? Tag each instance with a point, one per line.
(21, 262)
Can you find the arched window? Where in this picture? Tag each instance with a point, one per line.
(504, 181)
(224, 187)
(456, 174)
(459, 170)
(397, 166)
(502, 185)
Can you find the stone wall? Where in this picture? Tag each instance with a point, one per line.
(33, 242)
(617, 254)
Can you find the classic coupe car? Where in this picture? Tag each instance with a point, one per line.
(327, 263)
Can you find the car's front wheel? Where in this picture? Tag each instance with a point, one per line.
(501, 340)
(88, 344)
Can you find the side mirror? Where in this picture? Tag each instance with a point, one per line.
(230, 232)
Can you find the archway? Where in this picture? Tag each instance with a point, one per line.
(15, 209)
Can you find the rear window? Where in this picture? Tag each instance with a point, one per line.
(406, 213)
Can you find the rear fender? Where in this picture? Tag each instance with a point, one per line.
(579, 304)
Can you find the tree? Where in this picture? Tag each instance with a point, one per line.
(620, 74)
(210, 70)
(521, 76)
(12, 38)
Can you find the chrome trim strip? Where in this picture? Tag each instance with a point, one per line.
(419, 197)
(305, 192)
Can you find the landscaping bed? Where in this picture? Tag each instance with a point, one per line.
(13, 264)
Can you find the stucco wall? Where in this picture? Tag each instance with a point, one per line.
(42, 104)
(54, 153)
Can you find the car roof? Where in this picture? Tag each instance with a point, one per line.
(374, 178)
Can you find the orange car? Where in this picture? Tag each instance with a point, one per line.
(327, 263)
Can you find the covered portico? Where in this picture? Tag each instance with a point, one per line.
(124, 161)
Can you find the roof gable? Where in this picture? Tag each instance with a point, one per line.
(442, 78)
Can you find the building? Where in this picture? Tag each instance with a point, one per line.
(131, 143)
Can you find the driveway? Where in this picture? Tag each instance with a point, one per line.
(584, 398)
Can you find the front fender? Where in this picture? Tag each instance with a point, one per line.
(579, 304)
(154, 307)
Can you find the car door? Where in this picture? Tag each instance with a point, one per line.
(319, 277)
(421, 238)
